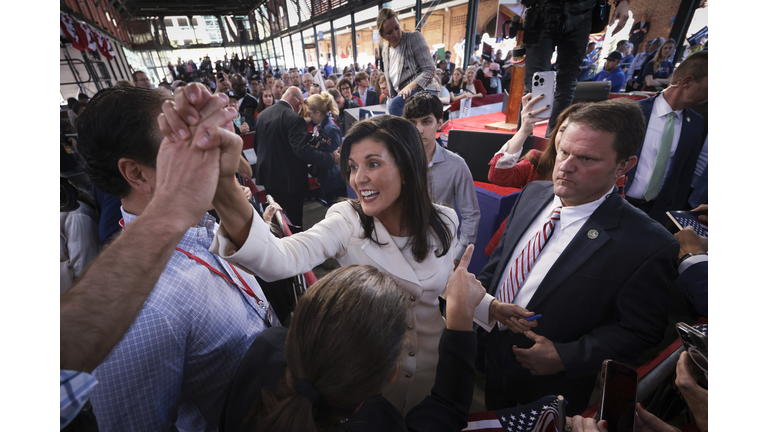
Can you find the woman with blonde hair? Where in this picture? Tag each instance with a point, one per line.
(657, 72)
(408, 66)
(326, 136)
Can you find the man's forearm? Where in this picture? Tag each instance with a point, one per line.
(97, 311)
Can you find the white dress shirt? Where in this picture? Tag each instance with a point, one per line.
(572, 218)
(651, 146)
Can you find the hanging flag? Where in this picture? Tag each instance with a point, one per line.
(93, 38)
(74, 31)
(110, 52)
(539, 416)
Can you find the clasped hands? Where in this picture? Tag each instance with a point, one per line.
(199, 151)
(540, 359)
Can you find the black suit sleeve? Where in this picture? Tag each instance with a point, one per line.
(638, 322)
(297, 134)
(694, 284)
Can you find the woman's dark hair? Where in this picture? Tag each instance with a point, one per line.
(261, 106)
(545, 162)
(345, 340)
(404, 143)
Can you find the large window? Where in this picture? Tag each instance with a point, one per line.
(288, 58)
(298, 51)
(309, 44)
(324, 39)
(365, 29)
(343, 30)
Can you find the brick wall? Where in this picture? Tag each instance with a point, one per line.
(659, 13)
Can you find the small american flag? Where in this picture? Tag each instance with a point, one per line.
(539, 416)
(685, 218)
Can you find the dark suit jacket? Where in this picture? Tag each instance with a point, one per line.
(636, 38)
(694, 284)
(282, 150)
(606, 297)
(677, 186)
(446, 409)
(371, 97)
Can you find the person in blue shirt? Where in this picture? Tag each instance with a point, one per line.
(612, 72)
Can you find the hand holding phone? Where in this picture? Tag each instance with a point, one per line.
(543, 84)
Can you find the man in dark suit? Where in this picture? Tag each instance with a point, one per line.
(638, 31)
(662, 179)
(600, 274)
(451, 66)
(283, 154)
(365, 91)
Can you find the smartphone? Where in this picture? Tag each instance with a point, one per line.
(619, 396)
(220, 75)
(695, 342)
(682, 219)
(543, 83)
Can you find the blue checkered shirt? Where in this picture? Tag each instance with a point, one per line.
(74, 388)
(174, 365)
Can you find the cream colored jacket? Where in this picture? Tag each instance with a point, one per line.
(339, 236)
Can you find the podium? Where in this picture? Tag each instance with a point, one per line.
(352, 115)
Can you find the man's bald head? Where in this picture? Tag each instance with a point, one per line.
(238, 85)
(294, 97)
(329, 84)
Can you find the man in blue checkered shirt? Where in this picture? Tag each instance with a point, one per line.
(174, 365)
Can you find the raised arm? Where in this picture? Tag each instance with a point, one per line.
(93, 319)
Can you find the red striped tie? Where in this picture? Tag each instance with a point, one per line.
(527, 258)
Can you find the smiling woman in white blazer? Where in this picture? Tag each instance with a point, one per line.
(392, 226)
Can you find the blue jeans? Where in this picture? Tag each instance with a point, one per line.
(396, 104)
(570, 36)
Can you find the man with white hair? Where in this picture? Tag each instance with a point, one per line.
(281, 168)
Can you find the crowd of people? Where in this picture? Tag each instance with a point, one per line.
(187, 336)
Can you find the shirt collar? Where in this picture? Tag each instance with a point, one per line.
(439, 156)
(207, 224)
(572, 214)
(662, 107)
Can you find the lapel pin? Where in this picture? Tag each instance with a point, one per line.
(688, 119)
(592, 234)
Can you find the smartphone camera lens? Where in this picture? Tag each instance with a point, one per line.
(541, 81)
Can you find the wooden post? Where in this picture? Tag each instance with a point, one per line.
(516, 87)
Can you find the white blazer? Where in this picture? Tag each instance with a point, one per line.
(340, 236)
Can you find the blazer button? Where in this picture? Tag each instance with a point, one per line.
(410, 326)
(413, 298)
(411, 354)
(408, 375)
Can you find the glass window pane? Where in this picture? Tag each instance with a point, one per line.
(309, 43)
(365, 29)
(293, 15)
(343, 29)
(287, 54)
(298, 52)
(324, 39)
(305, 10)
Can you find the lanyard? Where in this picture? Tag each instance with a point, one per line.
(247, 289)
(267, 317)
